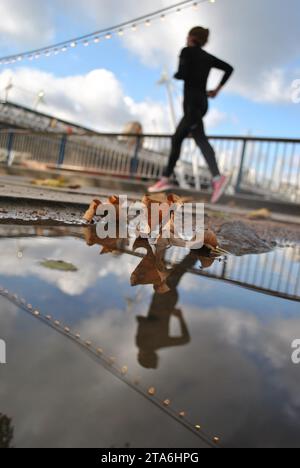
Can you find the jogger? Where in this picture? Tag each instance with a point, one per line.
(194, 68)
(192, 123)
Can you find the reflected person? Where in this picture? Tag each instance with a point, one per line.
(154, 330)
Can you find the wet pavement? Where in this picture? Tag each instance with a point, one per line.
(214, 350)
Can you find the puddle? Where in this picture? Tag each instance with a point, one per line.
(216, 345)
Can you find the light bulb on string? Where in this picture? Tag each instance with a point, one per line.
(95, 37)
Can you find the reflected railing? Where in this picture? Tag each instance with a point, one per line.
(275, 273)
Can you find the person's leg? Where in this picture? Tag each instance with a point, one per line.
(181, 133)
(207, 150)
(220, 182)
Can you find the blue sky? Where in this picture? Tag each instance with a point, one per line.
(257, 101)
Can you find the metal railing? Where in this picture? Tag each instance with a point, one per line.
(276, 273)
(264, 167)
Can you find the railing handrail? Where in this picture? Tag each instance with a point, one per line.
(264, 166)
(92, 133)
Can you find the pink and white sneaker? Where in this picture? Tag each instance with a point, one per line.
(160, 186)
(219, 187)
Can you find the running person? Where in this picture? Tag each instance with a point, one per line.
(194, 68)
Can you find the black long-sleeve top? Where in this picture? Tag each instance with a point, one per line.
(194, 68)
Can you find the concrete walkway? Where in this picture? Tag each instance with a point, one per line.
(15, 187)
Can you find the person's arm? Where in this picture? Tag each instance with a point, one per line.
(228, 70)
(183, 69)
(185, 337)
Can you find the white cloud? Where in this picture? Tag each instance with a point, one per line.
(90, 265)
(25, 22)
(259, 38)
(275, 86)
(94, 100)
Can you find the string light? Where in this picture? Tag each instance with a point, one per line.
(110, 364)
(107, 33)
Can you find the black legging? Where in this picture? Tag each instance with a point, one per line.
(192, 123)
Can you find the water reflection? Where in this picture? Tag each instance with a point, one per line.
(276, 273)
(233, 372)
(154, 330)
(6, 432)
(153, 333)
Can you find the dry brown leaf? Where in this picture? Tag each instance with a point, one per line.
(263, 213)
(90, 236)
(115, 201)
(149, 272)
(206, 262)
(210, 238)
(91, 212)
(164, 214)
(146, 272)
(109, 245)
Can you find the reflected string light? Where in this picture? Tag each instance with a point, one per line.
(110, 364)
(95, 37)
